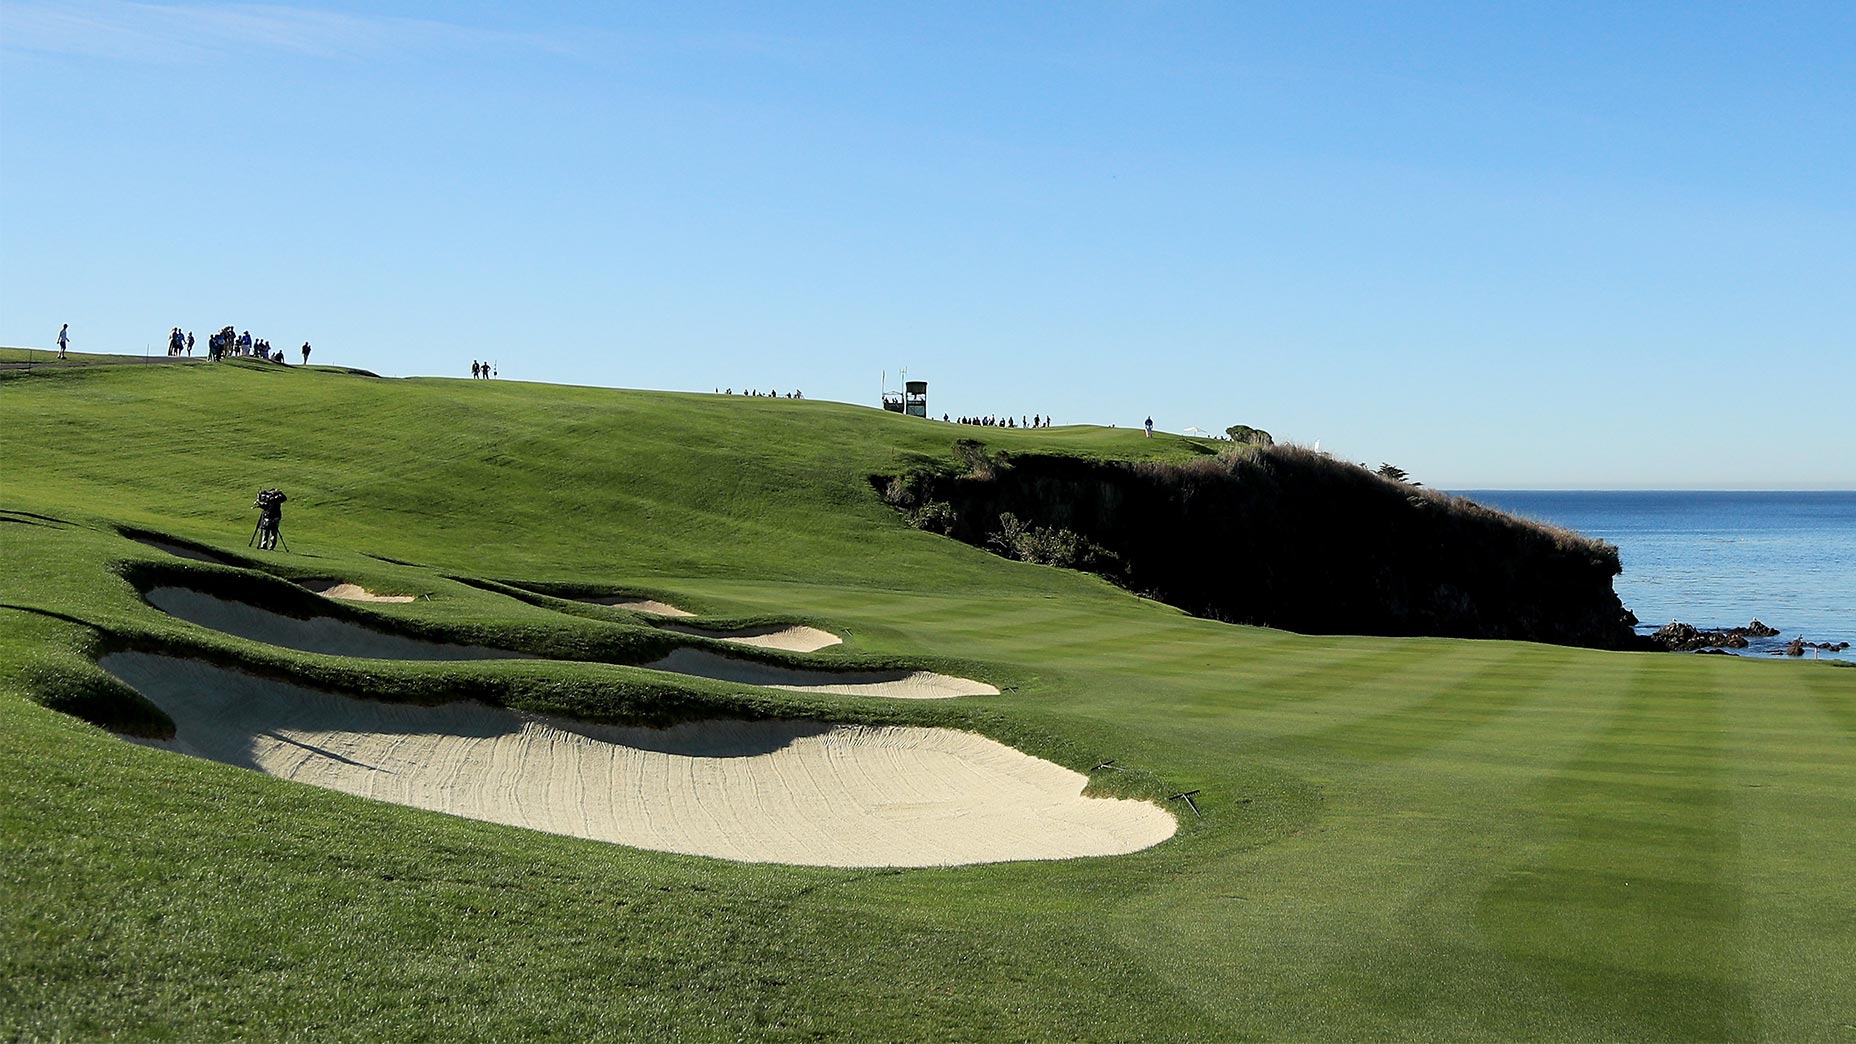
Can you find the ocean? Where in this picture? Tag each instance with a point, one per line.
(1719, 559)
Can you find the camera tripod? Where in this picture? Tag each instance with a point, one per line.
(259, 529)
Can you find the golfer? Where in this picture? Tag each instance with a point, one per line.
(64, 339)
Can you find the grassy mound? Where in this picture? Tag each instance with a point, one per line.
(1401, 837)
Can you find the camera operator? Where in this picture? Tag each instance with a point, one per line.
(270, 505)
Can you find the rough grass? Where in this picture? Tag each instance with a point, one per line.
(36, 357)
(1296, 454)
(1402, 838)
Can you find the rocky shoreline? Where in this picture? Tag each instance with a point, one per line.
(1676, 636)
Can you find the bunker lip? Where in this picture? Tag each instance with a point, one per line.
(803, 792)
(179, 550)
(904, 685)
(327, 635)
(785, 637)
(635, 604)
(334, 636)
(347, 592)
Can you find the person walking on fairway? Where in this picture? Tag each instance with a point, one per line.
(1150, 427)
(64, 339)
(305, 353)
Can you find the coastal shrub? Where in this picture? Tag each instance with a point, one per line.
(936, 516)
(1005, 540)
(901, 491)
(1249, 436)
(1233, 454)
(1220, 466)
(976, 463)
(1046, 545)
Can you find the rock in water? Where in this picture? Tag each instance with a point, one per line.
(1677, 636)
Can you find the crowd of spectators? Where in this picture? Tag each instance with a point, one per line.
(993, 421)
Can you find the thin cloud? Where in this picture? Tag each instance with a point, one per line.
(169, 33)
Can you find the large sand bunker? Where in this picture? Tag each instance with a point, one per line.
(777, 792)
(787, 637)
(318, 634)
(906, 685)
(637, 605)
(349, 592)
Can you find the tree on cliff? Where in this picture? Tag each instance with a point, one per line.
(1396, 474)
(1244, 433)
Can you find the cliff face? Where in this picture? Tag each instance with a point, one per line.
(1287, 538)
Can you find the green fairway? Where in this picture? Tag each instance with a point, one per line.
(1401, 838)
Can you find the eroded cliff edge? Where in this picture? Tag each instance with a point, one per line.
(1280, 536)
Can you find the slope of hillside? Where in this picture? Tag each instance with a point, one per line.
(1400, 837)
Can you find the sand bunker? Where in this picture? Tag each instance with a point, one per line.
(318, 634)
(790, 638)
(905, 685)
(349, 592)
(777, 792)
(637, 605)
(333, 637)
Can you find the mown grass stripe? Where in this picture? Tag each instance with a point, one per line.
(1489, 693)
(1630, 903)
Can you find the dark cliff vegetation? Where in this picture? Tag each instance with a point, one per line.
(1279, 535)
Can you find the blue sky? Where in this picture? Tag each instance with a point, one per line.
(1501, 245)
